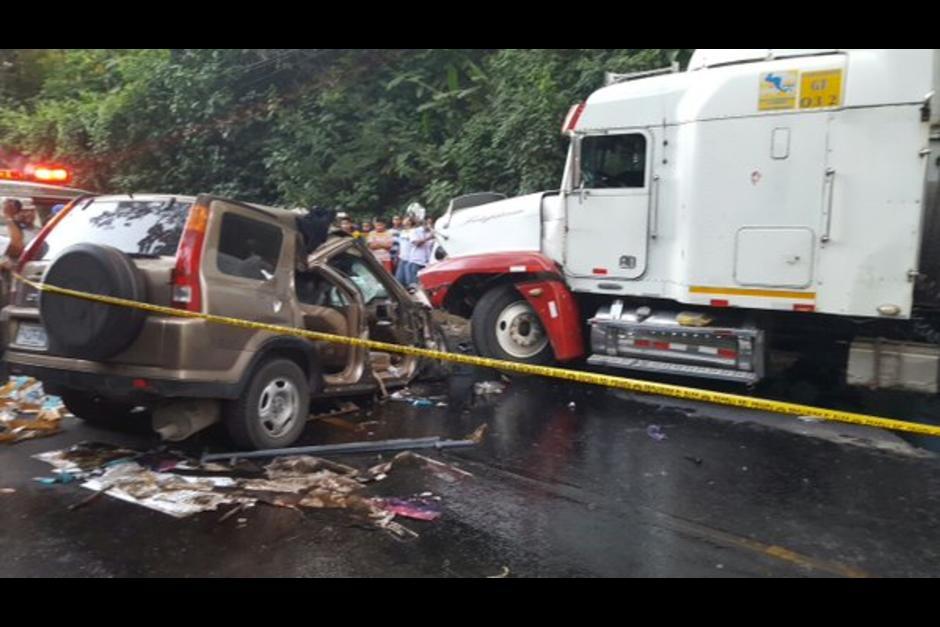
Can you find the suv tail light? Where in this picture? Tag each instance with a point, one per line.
(186, 289)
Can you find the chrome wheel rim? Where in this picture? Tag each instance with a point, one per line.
(519, 331)
(277, 407)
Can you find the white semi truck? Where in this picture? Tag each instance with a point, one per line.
(763, 206)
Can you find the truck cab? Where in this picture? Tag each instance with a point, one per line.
(762, 198)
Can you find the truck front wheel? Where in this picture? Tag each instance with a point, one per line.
(504, 326)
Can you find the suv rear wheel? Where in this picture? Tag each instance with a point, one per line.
(273, 410)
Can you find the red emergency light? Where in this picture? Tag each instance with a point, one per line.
(11, 175)
(43, 173)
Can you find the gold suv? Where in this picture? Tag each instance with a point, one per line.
(217, 256)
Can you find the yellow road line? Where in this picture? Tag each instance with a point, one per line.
(564, 374)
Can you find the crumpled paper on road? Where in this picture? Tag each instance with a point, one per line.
(186, 487)
(27, 412)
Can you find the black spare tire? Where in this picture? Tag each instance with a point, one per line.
(87, 329)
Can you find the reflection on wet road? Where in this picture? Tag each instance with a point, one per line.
(568, 481)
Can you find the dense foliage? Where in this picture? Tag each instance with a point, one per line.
(368, 131)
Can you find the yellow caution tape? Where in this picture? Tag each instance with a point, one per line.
(564, 374)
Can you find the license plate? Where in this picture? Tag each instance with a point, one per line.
(31, 336)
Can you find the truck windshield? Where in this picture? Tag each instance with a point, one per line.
(136, 227)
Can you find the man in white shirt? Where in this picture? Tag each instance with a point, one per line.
(402, 270)
(422, 241)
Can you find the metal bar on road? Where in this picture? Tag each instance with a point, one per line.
(349, 448)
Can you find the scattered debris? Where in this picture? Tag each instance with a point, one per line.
(341, 423)
(695, 460)
(501, 575)
(406, 395)
(489, 388)
(173, 484)
(238, 508)
(89, 499)
(478, 433)
(656, 432)
(339, 409)
(26, 412)
(86, 456)
(418, 508)
(7, 490)
(378, 379)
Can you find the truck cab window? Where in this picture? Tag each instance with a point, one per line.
(613, 161)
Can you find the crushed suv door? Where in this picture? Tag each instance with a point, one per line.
(388, 310)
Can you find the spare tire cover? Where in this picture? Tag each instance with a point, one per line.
(88, 329)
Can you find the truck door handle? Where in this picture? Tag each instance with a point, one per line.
(830, 184)
(654, 208)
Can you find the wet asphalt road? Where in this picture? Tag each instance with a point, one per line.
(556, 490)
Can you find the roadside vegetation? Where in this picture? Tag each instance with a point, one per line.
(365, 131)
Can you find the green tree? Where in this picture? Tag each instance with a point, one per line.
(365, 130)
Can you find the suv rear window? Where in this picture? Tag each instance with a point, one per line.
(150, 228)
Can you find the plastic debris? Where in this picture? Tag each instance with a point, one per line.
(60, 477)
(656, 432)
(501, 575)
(478, 433)
(7, 490)
(572, 406)
(489, 388)
(406, 395)
(417, 508)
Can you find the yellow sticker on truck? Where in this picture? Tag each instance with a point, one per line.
(821, 89)
(778, 90)
(784, 90)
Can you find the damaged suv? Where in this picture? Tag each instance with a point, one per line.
(217, 256)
